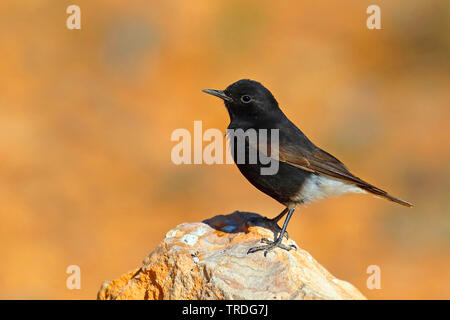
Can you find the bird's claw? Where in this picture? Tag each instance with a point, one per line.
(270, 246)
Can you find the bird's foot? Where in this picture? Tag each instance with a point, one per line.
(271, 245)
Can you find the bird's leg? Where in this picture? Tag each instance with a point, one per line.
(274, 222)
(281, 215)
(277, 243)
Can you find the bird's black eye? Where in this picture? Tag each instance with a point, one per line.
(246, 99)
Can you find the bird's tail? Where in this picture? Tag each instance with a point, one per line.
(383, 194)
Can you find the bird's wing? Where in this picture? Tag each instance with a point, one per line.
(295, 149)
(317, 161)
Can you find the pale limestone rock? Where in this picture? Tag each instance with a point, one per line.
(209, 261)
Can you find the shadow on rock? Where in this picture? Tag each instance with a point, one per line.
(239, 221)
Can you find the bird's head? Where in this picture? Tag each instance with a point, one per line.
(247, 100)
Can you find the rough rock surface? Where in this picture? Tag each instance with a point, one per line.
(209, 261)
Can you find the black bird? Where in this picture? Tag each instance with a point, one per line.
(305, 173)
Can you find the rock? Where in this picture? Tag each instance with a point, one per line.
(209, 261)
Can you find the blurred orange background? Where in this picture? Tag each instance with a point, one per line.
(86, 118)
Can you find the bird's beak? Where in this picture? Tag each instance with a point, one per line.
(218, 93)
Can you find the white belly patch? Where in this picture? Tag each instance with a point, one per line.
(318, 187)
